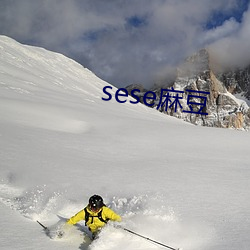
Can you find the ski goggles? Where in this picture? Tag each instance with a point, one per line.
(94, 208)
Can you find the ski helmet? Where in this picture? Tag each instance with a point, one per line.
(95, 202)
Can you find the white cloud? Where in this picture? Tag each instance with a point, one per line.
(97, 33)
(233, 50)
(228, 28)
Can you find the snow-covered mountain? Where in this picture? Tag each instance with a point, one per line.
(182, 185)
(223, 108)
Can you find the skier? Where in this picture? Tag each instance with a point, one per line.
(95, 214)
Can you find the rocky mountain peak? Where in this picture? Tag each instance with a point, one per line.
(196, 64)
(237, 81)
(222, 108)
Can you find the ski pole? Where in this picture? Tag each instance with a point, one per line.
(45, 228)
(146, 238)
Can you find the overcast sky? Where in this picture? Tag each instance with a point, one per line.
(131, 41)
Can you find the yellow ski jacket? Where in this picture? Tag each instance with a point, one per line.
(94, 223)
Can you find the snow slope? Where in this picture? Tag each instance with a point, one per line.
(176, 183)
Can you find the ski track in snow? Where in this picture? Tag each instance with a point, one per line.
(42, 116)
